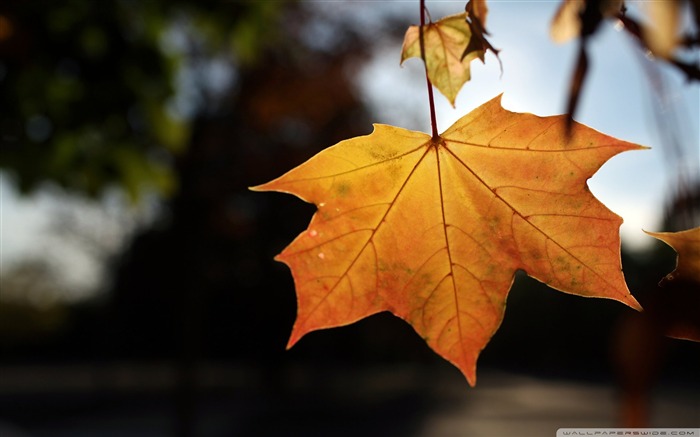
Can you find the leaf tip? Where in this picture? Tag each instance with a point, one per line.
(629, 300)
(467, 368)
(295, 336)
(633, 303)
(257, 188)
(262, 187)
(472, 381)
(469, 374)
(633, 146)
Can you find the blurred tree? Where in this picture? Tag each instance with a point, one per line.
(92, 91)
(207, 265)
(202, 283)
(196, 100)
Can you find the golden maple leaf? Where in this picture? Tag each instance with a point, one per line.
(433, 230)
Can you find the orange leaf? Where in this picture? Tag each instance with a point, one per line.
(687, 245)
(679, 304)
(434, 230)
(445, 41)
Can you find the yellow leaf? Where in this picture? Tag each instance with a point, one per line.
(445, 41)
(433, 230)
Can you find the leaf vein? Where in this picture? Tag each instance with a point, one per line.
(515, 211)
(373, 232)
(343, 173)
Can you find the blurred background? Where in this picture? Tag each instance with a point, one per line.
(138, 291)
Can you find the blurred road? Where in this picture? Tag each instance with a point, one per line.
(136, 400)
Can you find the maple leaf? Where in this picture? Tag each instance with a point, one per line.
(687, 245)
(433, 230)
(444, 42)
(680, 308)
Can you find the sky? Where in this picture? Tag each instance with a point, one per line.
(617, 100)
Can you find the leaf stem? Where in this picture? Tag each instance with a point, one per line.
(431, 100)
